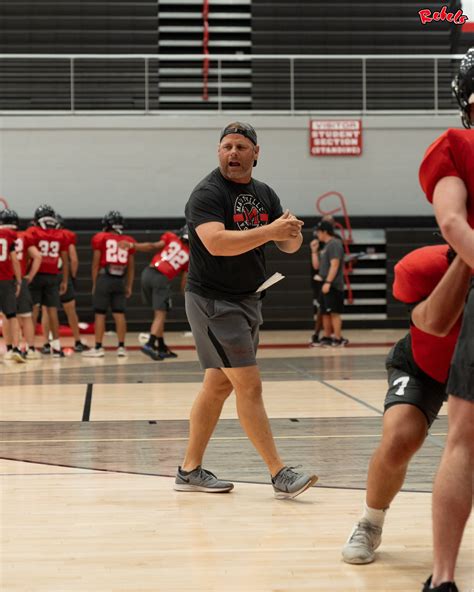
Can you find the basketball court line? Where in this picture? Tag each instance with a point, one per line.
(87, 403)
(430, 436)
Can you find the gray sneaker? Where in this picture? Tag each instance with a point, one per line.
(362, 543)
(287, 483)
(201, 480)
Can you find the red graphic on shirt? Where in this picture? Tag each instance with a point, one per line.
(249, 212)
(427, 16)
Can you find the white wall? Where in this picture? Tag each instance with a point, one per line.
(147, 165)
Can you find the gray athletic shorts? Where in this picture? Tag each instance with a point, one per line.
(7, 298)
(24, 302)
(156, 289)
(461, 374)
(225, 332)
(45, 290)
(109, 293)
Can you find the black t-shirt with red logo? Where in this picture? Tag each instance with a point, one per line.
(239, 207)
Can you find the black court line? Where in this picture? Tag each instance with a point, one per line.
(429, 437)
(341, 392)
(87, 403)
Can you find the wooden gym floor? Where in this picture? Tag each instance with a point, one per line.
(89, 448)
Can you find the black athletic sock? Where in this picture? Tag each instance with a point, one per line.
(161, 343)
(121, 344)
(98, 345)
(152, 341)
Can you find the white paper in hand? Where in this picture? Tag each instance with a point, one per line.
(276, 277)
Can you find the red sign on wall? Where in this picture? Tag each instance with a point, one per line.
(342, 137)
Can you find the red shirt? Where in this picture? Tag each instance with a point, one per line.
(416, 276)
(50, 242)
(22, 244)
(7, 245)
(70, 237)
(174, 258)
(111, 256)
(451, 155)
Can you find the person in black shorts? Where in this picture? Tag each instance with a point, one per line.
(10, 282)
(316, 284)
(331, 270)
(447, 179)
(417, 371)
(317, 281)
(230, 217)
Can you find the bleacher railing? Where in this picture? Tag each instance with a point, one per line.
(283, 84)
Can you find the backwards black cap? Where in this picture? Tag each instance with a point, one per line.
(244, 129)
(326, 226)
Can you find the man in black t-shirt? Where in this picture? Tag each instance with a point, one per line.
(231, 217)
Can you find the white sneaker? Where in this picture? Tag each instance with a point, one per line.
(362, 543)
(121, 352)
(94, 353)
(15, 356)
(32, 354)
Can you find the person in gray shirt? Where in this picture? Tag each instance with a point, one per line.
(331, 270)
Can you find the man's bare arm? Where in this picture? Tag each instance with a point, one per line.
(439, 312)
(226, 243)
(450, 204)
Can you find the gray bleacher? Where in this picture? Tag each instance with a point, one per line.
(237, 28)
(352, 28)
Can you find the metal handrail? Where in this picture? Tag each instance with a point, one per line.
(218, 59)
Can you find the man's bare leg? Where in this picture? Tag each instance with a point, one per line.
(453, 489)
(205, 414)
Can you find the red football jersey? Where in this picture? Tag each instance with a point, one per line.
(111, 256)
(416, 276)
(22, 244)
(70, 237)
(50, 242)
(7, 245)
(173, 258)
(451, 155)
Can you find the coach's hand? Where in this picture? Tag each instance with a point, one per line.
(287, 226)
(62, 287)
